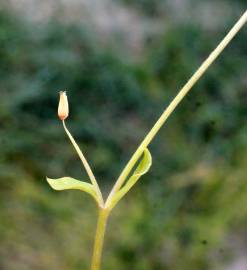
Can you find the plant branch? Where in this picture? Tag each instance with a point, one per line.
(86, 165)
(187, 87)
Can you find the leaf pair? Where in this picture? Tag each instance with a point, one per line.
(65, 183)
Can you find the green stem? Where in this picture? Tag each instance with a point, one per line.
(182, 93)
(99, 238)
(86, 165)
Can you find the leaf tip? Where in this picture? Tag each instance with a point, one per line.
(51, 183)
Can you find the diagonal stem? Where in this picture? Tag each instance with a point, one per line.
(182, 93)
(86, 165)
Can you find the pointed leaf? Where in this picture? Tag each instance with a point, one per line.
(65, 183)
(141, 169)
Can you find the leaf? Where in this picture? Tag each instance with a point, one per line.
(141, 169)
(65, 183)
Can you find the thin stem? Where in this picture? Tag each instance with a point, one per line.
(99, 238)
(86, 165)
(187, 87)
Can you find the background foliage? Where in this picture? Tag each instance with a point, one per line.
(190, 210)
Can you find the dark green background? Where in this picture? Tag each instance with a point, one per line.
(190, 211)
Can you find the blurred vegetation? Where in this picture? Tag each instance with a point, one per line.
(186, 211)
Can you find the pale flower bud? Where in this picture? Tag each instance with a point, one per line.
(63, 106)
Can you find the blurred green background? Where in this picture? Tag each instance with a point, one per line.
(121, 63)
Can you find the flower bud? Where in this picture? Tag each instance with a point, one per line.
(63, 106)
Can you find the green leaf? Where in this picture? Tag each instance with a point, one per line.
(141, 169)
(65, 183)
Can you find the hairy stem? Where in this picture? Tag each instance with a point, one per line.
(182, 93)
(99, 238)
